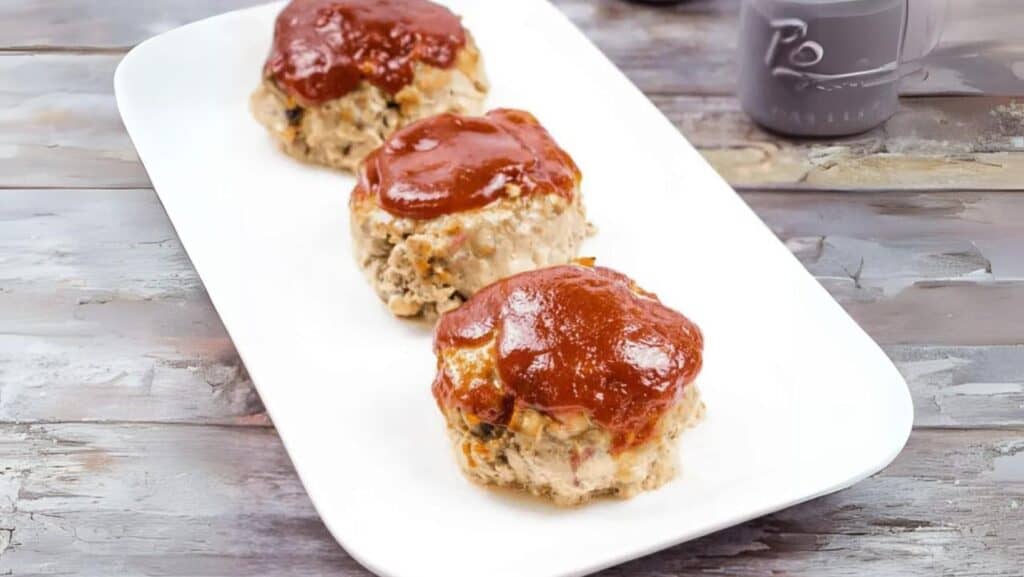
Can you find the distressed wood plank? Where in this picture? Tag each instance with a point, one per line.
(59, 127)
(941, 312)
(143, 500)
(963, 387)
(981, 52)
(103, 318)
(912, 268)
(59, 124)
(100, 24)
(892, 240)
(175, 500)
(688, 48)
(951, 504)
(66, 358)
(689, 35)
(940, 143)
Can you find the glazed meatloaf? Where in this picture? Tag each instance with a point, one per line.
(344, 74)
(451, 204)
(569, 382)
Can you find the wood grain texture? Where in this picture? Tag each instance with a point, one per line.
(686, 48)
(156, 500)
(918, 517)
(133, 442)
(981, 52)
(105, 319)
(963, 387)
(102, 316)
(60, 128)
(173, 500)
(59, 124)
(690, 48)
(114, 25)
(912, 268)
(938, 143)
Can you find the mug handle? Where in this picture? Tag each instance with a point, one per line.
(925, 20)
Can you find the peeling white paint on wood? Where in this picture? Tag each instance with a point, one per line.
(964, 386)
(941, 269)
(198, 500)
(136, 455)
(62, 129)
(104, 318)
(143, 499)
(931, 143)
(59, 124)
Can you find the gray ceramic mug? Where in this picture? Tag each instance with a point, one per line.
(830, 67)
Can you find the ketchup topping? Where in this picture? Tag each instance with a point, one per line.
(450, 163)
(573, 338)
(323, 48)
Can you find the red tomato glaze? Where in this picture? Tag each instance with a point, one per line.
(574, 338)
(451, 163)
(323, 48)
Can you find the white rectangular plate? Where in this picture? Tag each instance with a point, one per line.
(800, 401)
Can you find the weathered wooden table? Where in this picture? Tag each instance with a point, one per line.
(132, 442)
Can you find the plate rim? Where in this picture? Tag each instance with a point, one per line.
(122, 89)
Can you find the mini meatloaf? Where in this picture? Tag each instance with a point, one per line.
(569, 382)
(344, 74)
(451, 204)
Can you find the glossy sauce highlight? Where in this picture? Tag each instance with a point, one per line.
(574, 338)
(450, 163)
(323, 48)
